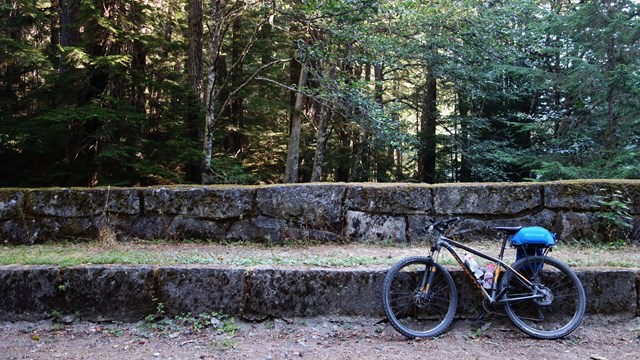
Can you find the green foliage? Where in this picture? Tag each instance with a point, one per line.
(527, 90)
(593, 108)
(56, 315)
(195, 323)
(113, 332)
(229, 326)
(614, 217)
(169, 326)
(227, 170)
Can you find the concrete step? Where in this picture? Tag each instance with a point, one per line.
(128, 293)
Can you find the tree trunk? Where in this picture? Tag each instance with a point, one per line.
(293, 150)
(138, 62)
(342, 169)
(234, 138)
(378, 89)
(54, 37)
(194, 65)
(359, 158)
(215, 40)
(398, 160)
(384, 158)
(69, 31)
(321, 142)
(193, 170)
(10, 79)
(323, 116)
(612, 116)
(428, 133)
(464, 108)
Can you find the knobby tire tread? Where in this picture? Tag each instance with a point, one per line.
(570, 285)
(442, 276)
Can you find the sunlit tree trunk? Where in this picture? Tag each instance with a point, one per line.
(321, 142)
(215, 40)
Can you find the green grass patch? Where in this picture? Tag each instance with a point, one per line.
(159, 253)
(292, 254)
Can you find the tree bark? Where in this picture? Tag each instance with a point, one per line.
(217, 14)
(194, 65)
(398, 160)
(379, 78)
(428, 133)
(138, 62)
(464, 108)
(612, 116)
(69, 31)
(234, 138)
(384, 157)
(54, 37)
(342, 169)
(193, 169)
(323, 116)
(321, 142)
(293, 150)
(10, 79)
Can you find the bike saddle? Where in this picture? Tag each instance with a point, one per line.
(510, 230)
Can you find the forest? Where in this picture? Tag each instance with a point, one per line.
(147, 92)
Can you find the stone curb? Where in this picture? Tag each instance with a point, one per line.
(129, 293)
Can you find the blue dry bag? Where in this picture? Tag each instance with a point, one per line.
(531, 241)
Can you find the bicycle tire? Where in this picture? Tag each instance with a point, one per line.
(410, 311)
(555, 315)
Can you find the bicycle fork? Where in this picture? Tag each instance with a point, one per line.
(430, 273)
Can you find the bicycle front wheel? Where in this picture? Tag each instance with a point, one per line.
(560, 300)
(412, 311)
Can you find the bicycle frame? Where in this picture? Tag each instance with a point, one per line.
(492, 295)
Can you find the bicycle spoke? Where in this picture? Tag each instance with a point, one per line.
(559, 301)
(413, 312)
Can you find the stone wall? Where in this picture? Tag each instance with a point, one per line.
(129, 293)
(326, 212)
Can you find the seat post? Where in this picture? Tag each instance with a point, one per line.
(506, 231)
(505, 237)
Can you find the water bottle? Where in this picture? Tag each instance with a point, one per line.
(473, 265)
(488, 276)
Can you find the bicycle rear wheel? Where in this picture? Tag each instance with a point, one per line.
(555, 314)
(411, 311)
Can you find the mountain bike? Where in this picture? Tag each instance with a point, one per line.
(541, 296)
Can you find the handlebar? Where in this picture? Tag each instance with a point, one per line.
(442, 226)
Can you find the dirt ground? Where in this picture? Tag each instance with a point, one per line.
(315, 338)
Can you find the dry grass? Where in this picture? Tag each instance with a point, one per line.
(106, 235)
(109, 251)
